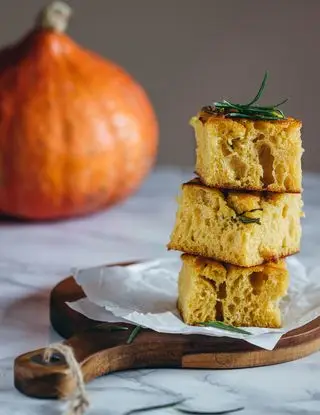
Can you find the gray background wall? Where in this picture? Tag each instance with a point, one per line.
(187, 53)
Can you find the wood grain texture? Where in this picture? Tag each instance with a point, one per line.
(100, 352)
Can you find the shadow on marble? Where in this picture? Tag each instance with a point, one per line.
(32, 311)
(8, 220)
(26, 322)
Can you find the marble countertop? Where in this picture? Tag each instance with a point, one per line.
(33, 257)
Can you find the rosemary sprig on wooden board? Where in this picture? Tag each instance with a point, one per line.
(250, 111)
(134, 334)
(109, 327)
(223, 326)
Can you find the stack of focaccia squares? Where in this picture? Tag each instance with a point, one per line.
(239, 218)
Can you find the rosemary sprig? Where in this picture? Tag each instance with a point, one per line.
(194, 412)
(152, 407)
(250, 111)
(109, 327)
(263, 84)
(181, 409)
(223, 326)
(134, 334)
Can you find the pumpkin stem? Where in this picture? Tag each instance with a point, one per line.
(54, 16)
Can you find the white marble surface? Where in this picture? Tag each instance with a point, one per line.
(33, 257)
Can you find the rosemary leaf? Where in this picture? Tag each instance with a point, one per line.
(263, 84)
(152, 407)
(223, 326)
(281, 113)
(194, 412)
(261, 111)
(109, 327)
(270, 107)
(246, 219)
(134, 334)
(105, 327)
(281, 103)
(225, 104)
(239, 115)
(252, 116)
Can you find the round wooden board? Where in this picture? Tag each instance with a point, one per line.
(197, 351)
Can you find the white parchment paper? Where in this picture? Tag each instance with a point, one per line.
(146, 294)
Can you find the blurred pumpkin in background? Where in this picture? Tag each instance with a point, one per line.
(77, 133)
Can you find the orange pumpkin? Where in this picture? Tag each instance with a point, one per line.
(77, 133)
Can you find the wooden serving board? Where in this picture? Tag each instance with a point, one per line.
(100, 352)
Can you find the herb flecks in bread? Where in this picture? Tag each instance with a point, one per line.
(208, 224)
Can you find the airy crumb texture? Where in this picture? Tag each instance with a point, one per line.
(248, 154)
(210, 291)
(209, 223)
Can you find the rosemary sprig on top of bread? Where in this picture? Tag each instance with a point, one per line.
(250, 111)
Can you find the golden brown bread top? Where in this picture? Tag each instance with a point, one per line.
(238, 199)
(220, 118)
